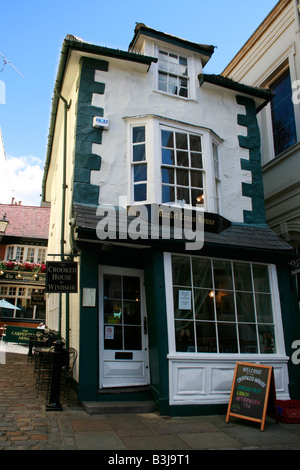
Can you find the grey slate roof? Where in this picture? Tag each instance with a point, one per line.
(242, 236)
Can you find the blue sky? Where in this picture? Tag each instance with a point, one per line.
(31, 35)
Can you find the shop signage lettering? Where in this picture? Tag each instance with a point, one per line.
(17, 334)
(61, 277)
(253, 393)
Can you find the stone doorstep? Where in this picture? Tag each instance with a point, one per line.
(113, 407)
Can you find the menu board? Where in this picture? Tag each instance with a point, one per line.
(253, 393)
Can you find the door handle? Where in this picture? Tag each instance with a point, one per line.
(145, 326)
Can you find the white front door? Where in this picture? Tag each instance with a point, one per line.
(123, 348)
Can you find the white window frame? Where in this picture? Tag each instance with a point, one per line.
(153, 125)
(39, 253)
(168, 73)
(277, 317)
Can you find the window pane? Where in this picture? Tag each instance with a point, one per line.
(115, 341)
(196, 160)
(264, 308)
(242, 276)
(112, 286)
(140, 192)
(168, 193)
(283, 116)
(167, 139)
(131, 288)
(204, 304)
(138, 134)
(196, 179)
(162, 84)
(225, 306)
(261, 278)
(181, 271)
(167, 175)
(248, 341)
(140, 173)
(245, 307)
(197, 197)
(183, 195)
(139, 152)
(227, 338)
(112, 311)
(132, 338)
(132, 312)
(184, 336)
(181, 141)
(266, 339)
(202, 273)
(182, 158)
(183, 92)
(183, 303)
(222, 275)
(168, 157)
(195, 143)
(206, 337)
(182, 177)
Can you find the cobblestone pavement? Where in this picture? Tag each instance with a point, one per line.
(26, 425)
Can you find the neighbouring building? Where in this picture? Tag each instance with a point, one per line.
(144, 133)
(23, 251)
(271, 59)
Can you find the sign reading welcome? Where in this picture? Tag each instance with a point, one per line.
(61, 276)
(253, 393)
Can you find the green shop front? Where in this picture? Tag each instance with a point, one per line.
(158, 321)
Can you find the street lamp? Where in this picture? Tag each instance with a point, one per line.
(3, 225)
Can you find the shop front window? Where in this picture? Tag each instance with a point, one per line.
(21, 297)
(222, 306)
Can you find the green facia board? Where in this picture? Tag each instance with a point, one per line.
(19, 334)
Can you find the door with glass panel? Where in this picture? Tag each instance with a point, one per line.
(123, 360)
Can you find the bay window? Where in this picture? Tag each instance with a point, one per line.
(222, 306)
(173, 164)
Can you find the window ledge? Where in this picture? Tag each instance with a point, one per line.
(175, 96)
(216, 357)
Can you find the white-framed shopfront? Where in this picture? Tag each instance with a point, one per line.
(206, 377)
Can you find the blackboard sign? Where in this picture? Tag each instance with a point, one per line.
(253, 393)
(61, 277)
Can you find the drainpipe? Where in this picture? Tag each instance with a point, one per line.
(63, 211)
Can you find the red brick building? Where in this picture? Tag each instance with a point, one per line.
(23, 251)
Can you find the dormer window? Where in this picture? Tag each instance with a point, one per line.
(173, 74)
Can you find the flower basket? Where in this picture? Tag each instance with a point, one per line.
(288, 411)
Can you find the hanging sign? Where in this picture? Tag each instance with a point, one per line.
(253, 393)
(61, 276)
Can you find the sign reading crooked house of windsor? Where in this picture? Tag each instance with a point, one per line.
(61, 277)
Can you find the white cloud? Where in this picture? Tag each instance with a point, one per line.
(21, 178)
